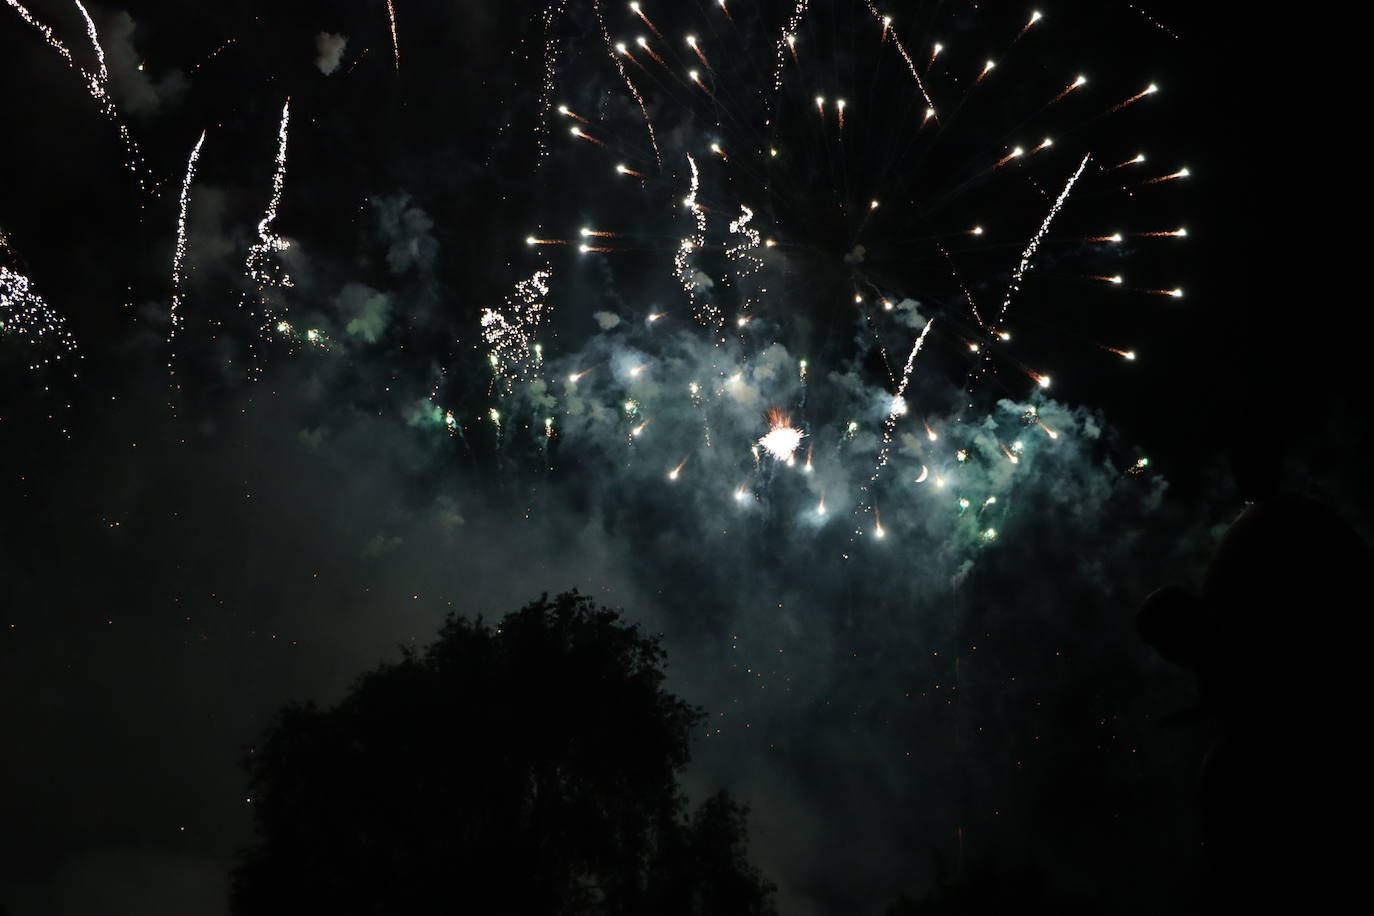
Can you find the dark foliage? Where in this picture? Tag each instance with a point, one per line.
(529, 767)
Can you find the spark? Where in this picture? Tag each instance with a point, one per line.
(579, 132)
(1148, 90)
(638, 11)
(1181, 173)
(696, 49)
(782, 439)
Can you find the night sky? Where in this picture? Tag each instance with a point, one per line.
(235, 479)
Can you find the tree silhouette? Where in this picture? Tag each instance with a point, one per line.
(529, 767)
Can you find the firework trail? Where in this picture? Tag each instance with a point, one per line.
(901, 49)
(259, 267)
(1027, 258)
(706, 311)
(395, 41)
(97, 84)
(614, 55)
(175, 317)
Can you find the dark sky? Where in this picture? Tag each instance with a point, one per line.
(183, 552)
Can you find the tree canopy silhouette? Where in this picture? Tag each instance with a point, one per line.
(530, 767)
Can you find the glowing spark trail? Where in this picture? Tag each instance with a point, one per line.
(174, 314)
(97, 84)
(611, 51)
(898, 405)
(259, 266)
(1034, 244)
(910, 65)
(395, 42)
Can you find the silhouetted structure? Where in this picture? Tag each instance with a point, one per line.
(526, 768)
(1278, 641)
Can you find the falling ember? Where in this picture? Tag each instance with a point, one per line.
(644, 44)
(1016, 153)
(807, 467)
(640, 13)
(1181, 173)
(566, 112)
(1042, 380)
(696, 49)
(820, 507)
(579, 132)
(1011, 456)
(930, 433)
(1124, 354)
(1139, 158)
(782, 439)
(878, 531)
(672, 475)
(1175, 233)
(572, 379)
(1049, 432)
(1148, 90)
(626, 170)
(1079, 81)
